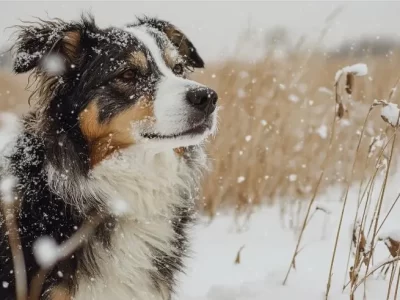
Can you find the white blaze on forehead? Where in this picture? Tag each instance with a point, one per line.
(142, 35)
(149, 41)
(173, 113)
(171, 109)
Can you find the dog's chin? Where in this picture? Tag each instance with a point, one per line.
(188, 137)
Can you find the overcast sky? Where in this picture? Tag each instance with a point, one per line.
(214, 26)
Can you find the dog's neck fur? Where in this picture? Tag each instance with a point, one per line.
(135, 176)
(154, 188)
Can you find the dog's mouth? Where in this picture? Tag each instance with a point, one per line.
(194, 131)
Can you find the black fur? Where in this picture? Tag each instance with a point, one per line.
(41, 214)
(93, 76)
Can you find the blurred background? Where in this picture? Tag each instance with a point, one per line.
(216, 26)
(273, 65)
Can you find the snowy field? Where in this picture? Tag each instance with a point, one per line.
(269, 243)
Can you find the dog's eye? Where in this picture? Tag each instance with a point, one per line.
(128, 74)
(178, 69)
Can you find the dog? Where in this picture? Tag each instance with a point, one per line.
(117, 133)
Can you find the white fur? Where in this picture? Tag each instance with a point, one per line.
(150, 184)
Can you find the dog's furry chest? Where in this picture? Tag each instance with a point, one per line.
(127, 270)
(153, 197)
(148, 201)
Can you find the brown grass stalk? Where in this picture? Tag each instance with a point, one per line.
(9, 213)
(397, 285)
(392, 275)
(328, 285)
(368, 188)
(362, 280)
(358, 239)
(388, 213)
(305, 222)
(378, 210)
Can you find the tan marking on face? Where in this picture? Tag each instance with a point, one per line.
(180, 151)
(139, 60)
(170, 57)
(116, 134)
(60, 293)
(71, 42)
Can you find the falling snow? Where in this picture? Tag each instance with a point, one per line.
(241, 93)
(293, 98)
(322, 131)
(119, 206)
(292, 177)
(325, 90)
(53, 64)
(241, 179)
(45, 251)
(243, 74)
(7, 185)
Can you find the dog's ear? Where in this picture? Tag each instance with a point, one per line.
(39, 40)
(178, 38)
(185, 46)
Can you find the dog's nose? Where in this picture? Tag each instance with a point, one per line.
(203, 98)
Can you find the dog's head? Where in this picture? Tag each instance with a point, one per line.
(115, 87)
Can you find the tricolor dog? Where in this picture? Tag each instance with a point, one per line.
(117, 131)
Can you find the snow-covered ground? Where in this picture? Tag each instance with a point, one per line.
(269, 243)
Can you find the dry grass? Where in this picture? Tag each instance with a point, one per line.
(364, 162)
(13, 96)
(275, 124)
(271, 147)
